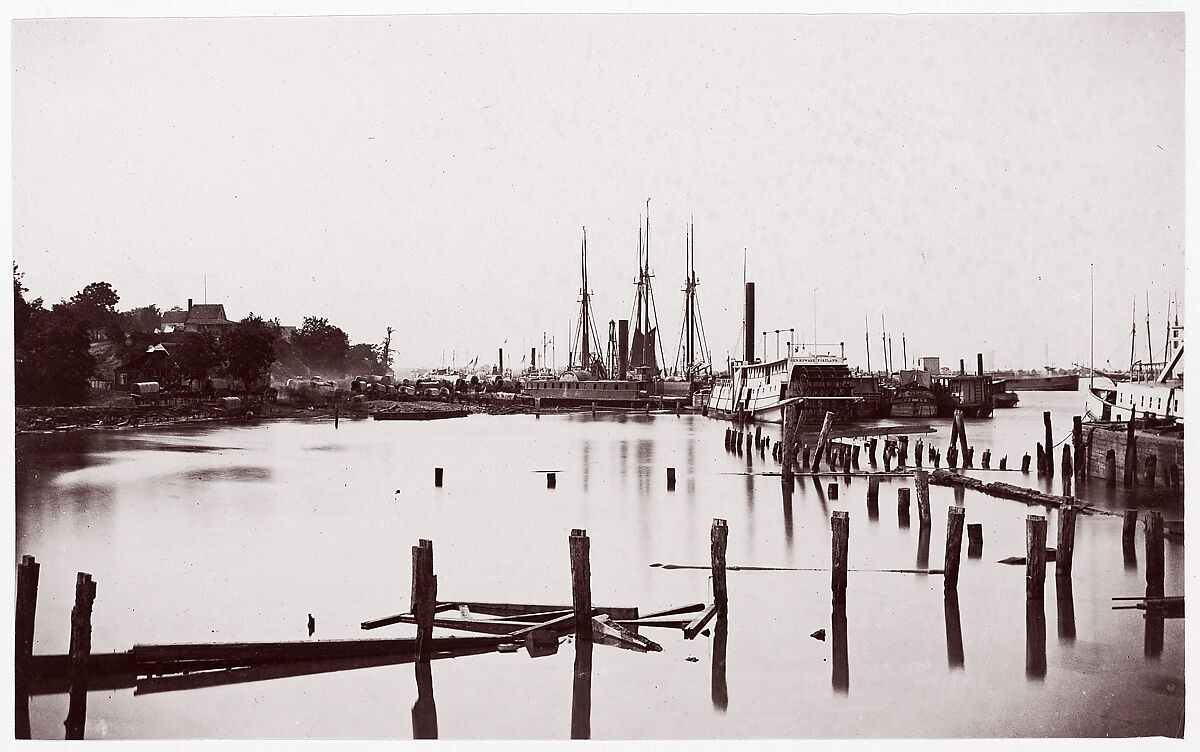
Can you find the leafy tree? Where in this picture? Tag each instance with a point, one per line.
(249, 349)
(365, 359)
(23, 311)
(323, 345)
(196, 354)
(144, 319)
(53, 362)
(96, 306)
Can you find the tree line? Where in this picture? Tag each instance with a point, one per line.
(54, 360)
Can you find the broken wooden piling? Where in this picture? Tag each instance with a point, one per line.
(581, 583)
(954, 529)
(922, 479)
(1068, 471)
(839, 523)
(1130, 478)
(670, 479)
(833, 491)
(720, 540)
(1151, 469)
(1049, 447)
(1154, 553)
(423, 596)
(437, 477)
(80, 651)
(823, 440)
(1129, 528)
(974, 540)
(26, 609)
(1035, 555)
(1066, 537)
(551, 480)
(1025, 463)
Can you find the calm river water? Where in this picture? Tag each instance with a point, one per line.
(237, 533)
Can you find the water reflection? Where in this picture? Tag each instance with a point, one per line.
(785, 485)
(954, 641)
(1066, 609)
(841, 655)
(1035, 639)
(581, 691)
(424, 710)
(1155, 623)
(585, 469)
(720, 689)
(923, 548)
(960, 495)
(1129, 550)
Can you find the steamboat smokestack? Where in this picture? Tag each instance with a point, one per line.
(533, 357)
(623, 348)
(979, 361)
(749, 334)
(501, 362)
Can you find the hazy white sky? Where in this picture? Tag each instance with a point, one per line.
(955, 173)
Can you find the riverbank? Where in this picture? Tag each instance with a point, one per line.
(115, 416)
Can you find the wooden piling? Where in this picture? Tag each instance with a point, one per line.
(1154, 552)
(1004, 462)
(1025, 463)
(720, 540)
(854, 457)
(872, 490)
(1066, 538)
(26, 608)
(1049, 446)
(1130, 478)
(670, 479)
(839, 523)
(918, 451)
(1035, 556)
(987, 459)
(1041, 460)
(954, 529)
(80, 652)
(551, 480)
(1174, 476)
(823, 440)
(1151, 469)
(581, 583)
(1068, 473)
(437, 477)
(962, 430)
(593, 409)
(922, 479)
(871, 444)
(969, 457)
(804, 458)
(1079, 462)
(1129, 528)
(423, 596)
(833, 491)
(974, 540)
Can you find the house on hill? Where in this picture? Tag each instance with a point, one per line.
(199, 317)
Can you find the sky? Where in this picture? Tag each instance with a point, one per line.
(961, 176)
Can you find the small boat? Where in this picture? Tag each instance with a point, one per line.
(1005, 399)
(421, 414)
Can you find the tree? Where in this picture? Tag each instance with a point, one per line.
(96, 306)
(196, 354)
(323, 345)
(22, 310)
(53, 362)
(144, 319)
(364, 359)
(249, 349)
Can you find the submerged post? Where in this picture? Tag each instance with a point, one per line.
(839, 522)
(1066, 539)
(974, 540)
(1151, 469)
(1025, 463)
(1129, 528)
(720, 539)
(922, 479)
(551, 480)
(1110, 467)
(1035, 556)
(80, 652)
(833, 490)
(581, 583)
(954, 529)
(27, 586)
(1130, 478)
(872, 490)
(670, 479)
(437, 477)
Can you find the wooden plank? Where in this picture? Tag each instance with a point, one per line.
(690, 608)
(693, 628)
(664, 623)
(515, 609)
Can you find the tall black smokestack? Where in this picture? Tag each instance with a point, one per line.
(533, 357)
(622, 348)
(749, 335)
(979, 360)
(501, 361)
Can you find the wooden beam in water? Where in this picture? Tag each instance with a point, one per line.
(697, 624)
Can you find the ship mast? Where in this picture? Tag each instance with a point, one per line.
(693, 347)
(643, 351)
(585, 329)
